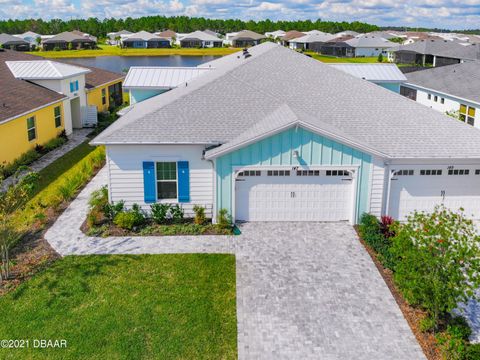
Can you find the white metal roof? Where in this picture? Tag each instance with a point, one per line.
(160, 77)
(373, 72)
(44, 70)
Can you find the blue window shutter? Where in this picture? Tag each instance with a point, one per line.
(76, 85)
(183, 181)
(149, 190)
(71, 87)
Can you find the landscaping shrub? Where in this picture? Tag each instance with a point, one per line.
(125, 220)
(454, 341)
(472, 352)
(372, 232)
(177, 213)
(160, 212)
(386, 226)
(436, 261)
(200, 217)
(30, 156)
(112, 210)
(224, 220)
(138, 214)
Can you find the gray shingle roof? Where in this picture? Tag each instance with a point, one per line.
(370, 41)
(6, 39)
(218, 107)
(247, 35)
(444, 48)
(461, 80)
(67, 36)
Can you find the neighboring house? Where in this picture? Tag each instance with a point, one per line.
(115, 38)
(435, 53)
(346, 33)
(388, 76)
(368, 45)
(246, 38)
(228, 38)
(144, 40)
(67, 40)
(200, 39)
(84, 34)
(327, 147)
(310, 42)
(290, 35)
(278, 34)
(32, 38)
(168, 34)
(213, 33)
(13, 43)
(29, 114)
(454, 89)
(337, 47)
(144, 82)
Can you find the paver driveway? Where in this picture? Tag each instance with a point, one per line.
(310, 291)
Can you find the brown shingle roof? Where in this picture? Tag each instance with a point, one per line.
(19, 96)
(98, 76)
(167, 34)
(292, 34)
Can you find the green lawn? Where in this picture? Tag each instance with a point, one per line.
(126, 307)
(53, 171)
(108, 50)
(333, 59)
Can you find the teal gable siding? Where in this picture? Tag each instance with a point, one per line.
(313, 150)
(395, 87)
(138, 95)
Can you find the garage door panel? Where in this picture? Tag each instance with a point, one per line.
(423, 193)
(293, 198)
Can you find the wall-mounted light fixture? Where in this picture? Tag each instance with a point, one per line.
(295, 154)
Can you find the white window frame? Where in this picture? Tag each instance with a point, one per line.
(174, 200)
(34, 128)
(59, 116)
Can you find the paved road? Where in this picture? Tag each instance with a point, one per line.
(310, 291)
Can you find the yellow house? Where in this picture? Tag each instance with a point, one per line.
(40, 98)
(21, 134)
(104, 89)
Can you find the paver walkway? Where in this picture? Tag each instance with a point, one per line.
(66, 237)
(304, 290)
(76, 138)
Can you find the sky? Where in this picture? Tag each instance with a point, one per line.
(447, 14)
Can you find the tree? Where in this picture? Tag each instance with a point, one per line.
(11, 200)
(437, 263)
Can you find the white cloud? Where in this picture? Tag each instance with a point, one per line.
(432, 13)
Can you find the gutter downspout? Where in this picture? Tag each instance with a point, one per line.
(214, 183)
(389, 186)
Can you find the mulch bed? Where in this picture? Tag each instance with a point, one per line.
(155, 230)
(412, 315)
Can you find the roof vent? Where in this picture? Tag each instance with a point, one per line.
(246, 54)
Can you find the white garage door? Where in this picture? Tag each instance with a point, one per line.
(287, 195)
(421, 189)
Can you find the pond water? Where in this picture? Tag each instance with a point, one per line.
(122, 63)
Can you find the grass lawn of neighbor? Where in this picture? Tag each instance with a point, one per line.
(109, 50)
(126, 307)
(333, 59)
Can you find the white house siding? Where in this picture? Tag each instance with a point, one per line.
(360, 52)
(451, 103)
(377, 187)
(125, 165)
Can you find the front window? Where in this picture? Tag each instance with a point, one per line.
(104, 96)
(166, 180)
(467, 113)
(58, 116)
(31, 129)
